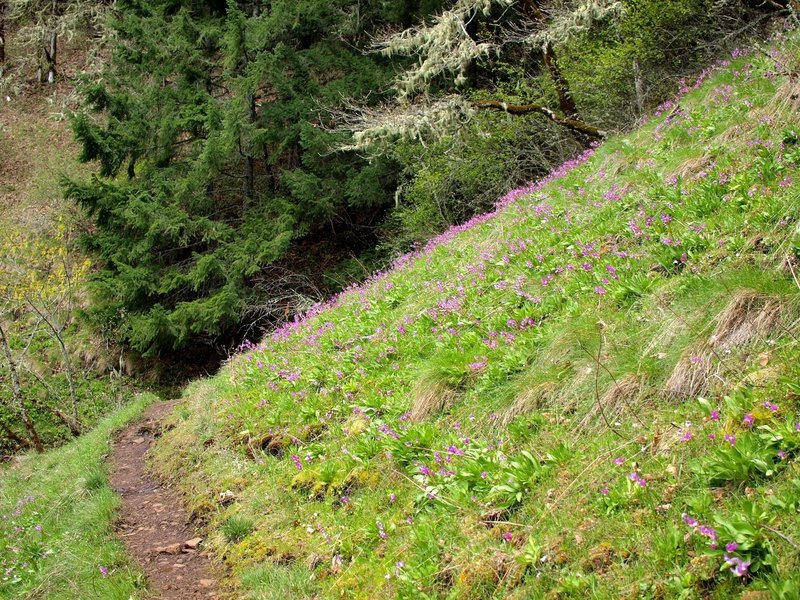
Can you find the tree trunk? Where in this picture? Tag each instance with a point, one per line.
(2, 37)
(638, 86)
(566, 103)
(50, 51)
(16, 394)
(249, 160)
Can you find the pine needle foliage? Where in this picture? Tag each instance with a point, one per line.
(212, 166)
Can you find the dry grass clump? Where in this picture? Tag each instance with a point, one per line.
(625, 393)
(692, 375)
(689, 168)
(527, 401)
(749, 315)
(429, 396)
(786, 100)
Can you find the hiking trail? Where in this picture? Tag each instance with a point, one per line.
(153, 523)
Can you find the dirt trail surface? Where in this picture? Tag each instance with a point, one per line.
(153, 522)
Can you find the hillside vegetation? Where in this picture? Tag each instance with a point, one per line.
(593, 391)
(66, 373)
(57, 516)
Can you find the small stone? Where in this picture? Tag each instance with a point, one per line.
(193, 543)
(226, 497)
(170, 549)
(138, 440)
(207, 583)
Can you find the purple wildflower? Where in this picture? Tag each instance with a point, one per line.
(636, 478)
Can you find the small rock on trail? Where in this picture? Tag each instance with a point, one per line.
(153, 520)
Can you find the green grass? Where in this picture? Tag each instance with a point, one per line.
(529, 408)
(56, 522)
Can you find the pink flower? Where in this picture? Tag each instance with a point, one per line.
(730, 438)
(715, 415)
(636, 478)
(748, 420)
(599, 289)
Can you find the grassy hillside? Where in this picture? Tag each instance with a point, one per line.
(592, 392)
(56, 522)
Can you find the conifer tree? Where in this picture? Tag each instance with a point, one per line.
(215, 177)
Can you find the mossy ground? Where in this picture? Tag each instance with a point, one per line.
(594, 392)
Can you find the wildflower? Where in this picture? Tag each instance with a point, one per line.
(771, 406)
(297, 463)
(599, 289)
(715, 415)
(781, 454)
(618, 461)
(392, 497)
(484, 474)
(748, 420)
(730, 438)
(687, 436)
(425, 470)
(710, 533)
(738, 566)
(381, 530)
(344, 499)
(507, 536)
(689, 520)
(712, 437)
(604, 491)
(731, 547)
(636, 478)
(103, 571)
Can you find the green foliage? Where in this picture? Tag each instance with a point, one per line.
(236, 528)
(57, 527)
(512, 411)
(213, 170)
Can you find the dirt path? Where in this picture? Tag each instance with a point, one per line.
(153, 522)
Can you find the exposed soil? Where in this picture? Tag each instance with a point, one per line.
(153, 522)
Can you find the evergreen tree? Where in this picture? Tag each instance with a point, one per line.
(215, 176)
